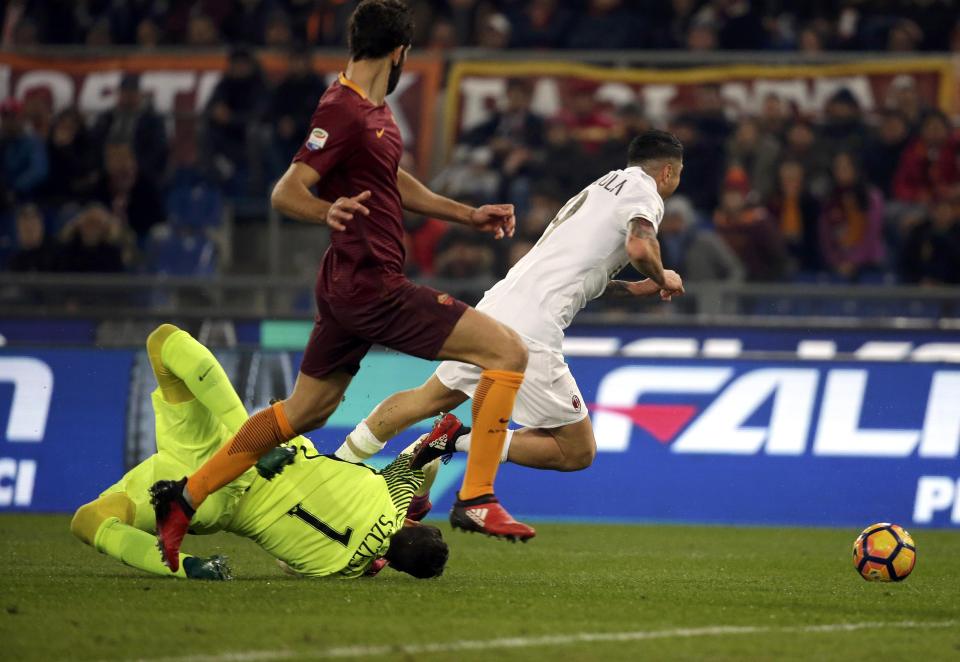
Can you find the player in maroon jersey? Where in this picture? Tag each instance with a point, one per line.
(351, 160)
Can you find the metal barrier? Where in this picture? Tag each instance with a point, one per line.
(141, 297)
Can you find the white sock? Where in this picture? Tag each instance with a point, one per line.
(361, 444)
(463, 444)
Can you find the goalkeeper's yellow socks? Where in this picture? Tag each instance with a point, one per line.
(203, 375)
(492, 406)
(136, 548)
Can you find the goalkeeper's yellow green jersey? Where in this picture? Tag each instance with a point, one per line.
(321, 516)
(324, 516)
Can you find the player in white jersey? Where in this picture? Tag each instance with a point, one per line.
(610, 223)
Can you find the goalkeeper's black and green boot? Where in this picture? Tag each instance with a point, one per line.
(213, 568)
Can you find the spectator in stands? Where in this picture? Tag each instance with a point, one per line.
(130, 194)
(588, 121)
(629, 122)
(470, 174)
(514, 134)
(929, 165)
(34, 251)
(92, 242)
(904, 98)
(202, 31)
(709, 113)
(422, 235)
(443, 36)
(236, 101)
(605, 24)
(702, 36)
(756, 153)
(291, 105)
(697, 253)
(134, 121)
(742, 25)
(539, 24)
(38, 111)
(463, 254)
(561, 163)
(748, 231)
(149, 34)
(883, 150)
(774, 117)
(796, 213)
(931, 251)
(514, 127)
(99, 36)
(23, 156)
(702, 166)
(905, 36)
(843, 128)
(851, 221)
(494, 32)
(801, 145)
(74, 164)
(277, 33)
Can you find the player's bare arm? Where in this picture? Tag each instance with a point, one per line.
(643, 249)
(292, 196)
(499, 220)
(639, 288)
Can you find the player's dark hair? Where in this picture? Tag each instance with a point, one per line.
(379, 26)
(419, 551)
(654, 145)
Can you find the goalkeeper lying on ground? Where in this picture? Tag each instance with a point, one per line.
(317, 514)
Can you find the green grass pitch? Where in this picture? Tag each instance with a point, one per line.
(577, 592)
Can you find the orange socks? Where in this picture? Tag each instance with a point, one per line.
(262, 431)
(492, 405)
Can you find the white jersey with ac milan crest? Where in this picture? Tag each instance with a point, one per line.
(578, 254)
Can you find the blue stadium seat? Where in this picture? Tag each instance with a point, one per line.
(193, 202)
(180, 252)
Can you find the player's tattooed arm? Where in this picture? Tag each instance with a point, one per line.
(639, 288)
(643, 249)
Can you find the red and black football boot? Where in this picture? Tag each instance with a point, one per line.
(484, 514)
(173, 518)
(419, 507)
(440, 441)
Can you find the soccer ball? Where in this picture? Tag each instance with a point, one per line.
(884, 553)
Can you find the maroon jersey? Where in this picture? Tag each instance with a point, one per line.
(355, 146)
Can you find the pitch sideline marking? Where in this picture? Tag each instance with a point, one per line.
(547, 640)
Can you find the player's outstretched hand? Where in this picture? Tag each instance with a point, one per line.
(497, 219)
(674, 285)
(343, 209)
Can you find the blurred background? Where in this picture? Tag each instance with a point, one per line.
(818, 218)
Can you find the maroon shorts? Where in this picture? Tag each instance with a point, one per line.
(409, 318)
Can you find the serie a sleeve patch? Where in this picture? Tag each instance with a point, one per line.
(317, 139)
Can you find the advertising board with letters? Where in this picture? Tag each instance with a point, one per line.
(734, 441)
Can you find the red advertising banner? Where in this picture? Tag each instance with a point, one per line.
(181, 84)
(474, 88)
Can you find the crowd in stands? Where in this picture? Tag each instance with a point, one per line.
(696, 25)
(845, 195)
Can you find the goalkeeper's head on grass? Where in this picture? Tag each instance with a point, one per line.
(318, 515)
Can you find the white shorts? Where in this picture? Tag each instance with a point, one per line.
(548, 398)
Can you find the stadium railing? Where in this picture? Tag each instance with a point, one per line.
(147, 297)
